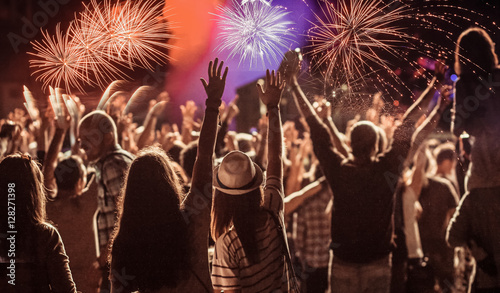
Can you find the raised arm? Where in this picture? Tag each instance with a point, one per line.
(146, 136)
(430, 122)
(296, 199)
(422, 103)
(271, 98)
(202, 172)
(62, 124)
(324, 111)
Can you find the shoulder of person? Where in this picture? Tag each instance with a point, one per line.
(47, 234)
(117, 156)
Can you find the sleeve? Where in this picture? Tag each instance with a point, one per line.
(457, 233)
(58, 270)
(225, 270)
(273, 194)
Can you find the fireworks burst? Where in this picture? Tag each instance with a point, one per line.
(101, 42)
(131, 32)
(255, 31)
(58, 62)
(347, 39)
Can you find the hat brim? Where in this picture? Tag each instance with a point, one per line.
(259, 178)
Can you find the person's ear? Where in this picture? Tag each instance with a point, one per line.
(79, 186)
(109, 139)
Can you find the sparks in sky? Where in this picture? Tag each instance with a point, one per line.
(101, 43)
(254, 31)
(346, 39)
(132, 31)
(58, 63)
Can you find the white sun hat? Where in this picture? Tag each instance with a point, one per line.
(237, 174)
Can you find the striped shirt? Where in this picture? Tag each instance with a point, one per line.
(231, 269)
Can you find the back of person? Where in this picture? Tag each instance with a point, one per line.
(263, 276)
(436, 199)
(362, 215)
(485, 152)
(73, 219)
(37, 268)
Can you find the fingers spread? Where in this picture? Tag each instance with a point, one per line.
(204, 82)
(214, 68)
(219, 70)
(225, 74)
(259, 89)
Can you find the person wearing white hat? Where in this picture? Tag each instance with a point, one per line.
(246, 218)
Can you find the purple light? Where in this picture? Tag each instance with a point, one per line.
(453, 77)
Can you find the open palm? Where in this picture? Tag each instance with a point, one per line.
(272, 95)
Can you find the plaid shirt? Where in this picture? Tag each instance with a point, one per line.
(312, 229)
(110, 171)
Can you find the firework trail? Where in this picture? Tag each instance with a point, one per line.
(253, 30)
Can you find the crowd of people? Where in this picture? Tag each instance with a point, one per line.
(383, 206)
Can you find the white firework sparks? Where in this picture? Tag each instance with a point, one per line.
(254, 31)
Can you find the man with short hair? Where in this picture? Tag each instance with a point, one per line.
(363, 186)
(98, 138)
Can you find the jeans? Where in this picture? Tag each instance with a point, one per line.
(372, 277)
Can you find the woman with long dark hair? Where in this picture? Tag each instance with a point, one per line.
(31, 252)
(161, 239)
(247, 221)
(476, 111)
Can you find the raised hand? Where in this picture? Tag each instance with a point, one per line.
(274, 89)
(290, 66)
(445, 97)
(440, 70)
(231, 110)
(215, 86)
(63, 120)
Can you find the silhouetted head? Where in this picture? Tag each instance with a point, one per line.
(446, 158)
(475, 53)
(71, 176)
(21, 183)
(151, 234)
(364, 140)
(237, 200)
(97, 134)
